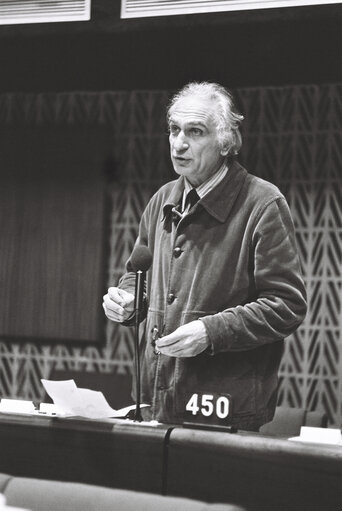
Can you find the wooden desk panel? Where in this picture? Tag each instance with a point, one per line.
(118, 454)
(259, 473)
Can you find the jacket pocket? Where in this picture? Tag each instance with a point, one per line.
(225, 373)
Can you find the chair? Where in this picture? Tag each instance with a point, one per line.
(288, 421)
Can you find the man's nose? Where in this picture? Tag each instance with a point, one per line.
(180, 143)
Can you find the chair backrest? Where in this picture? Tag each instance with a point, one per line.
(43, 495)
(316, 419)
(288, 421)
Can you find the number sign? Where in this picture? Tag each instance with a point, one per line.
(209, 408)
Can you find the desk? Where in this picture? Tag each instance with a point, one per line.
(113, 453)
(256, 472)
(259, 473)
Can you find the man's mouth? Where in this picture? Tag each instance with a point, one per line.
(180, 159)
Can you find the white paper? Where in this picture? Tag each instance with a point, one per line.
(4, 507)
(16, 406)
(49, 409)
(319, 435)
(73, 401)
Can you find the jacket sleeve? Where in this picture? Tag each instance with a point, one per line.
(279, 303)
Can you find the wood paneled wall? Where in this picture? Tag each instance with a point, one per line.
(53, 233)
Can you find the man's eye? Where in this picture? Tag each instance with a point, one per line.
(196, 131)
(173, 129)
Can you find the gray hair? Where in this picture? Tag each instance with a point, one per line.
(227, 118)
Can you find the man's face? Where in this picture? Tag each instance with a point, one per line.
(194, 147)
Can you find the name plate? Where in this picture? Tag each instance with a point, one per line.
(208, 408)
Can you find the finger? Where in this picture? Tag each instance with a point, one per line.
(168, 340)
(113, 316)
(113, 296)
(113, 307)
(175, 352)
(120, 296)
(109, 313)
(180, 353)
(127, 298)
(166, 351)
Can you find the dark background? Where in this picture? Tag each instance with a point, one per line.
(239, 49)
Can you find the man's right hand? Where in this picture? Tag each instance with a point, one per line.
(118, 304)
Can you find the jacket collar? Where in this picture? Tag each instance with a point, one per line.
(219, 201)
(175, 196)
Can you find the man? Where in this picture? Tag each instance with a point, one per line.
(225, 286)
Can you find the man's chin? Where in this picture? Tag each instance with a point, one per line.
(182, 170)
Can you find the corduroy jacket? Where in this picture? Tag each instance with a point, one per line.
(231, 262)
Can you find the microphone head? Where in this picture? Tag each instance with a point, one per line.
(141, 258)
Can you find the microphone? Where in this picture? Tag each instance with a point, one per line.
(141, 260)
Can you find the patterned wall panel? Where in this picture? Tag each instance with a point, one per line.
(292, 137)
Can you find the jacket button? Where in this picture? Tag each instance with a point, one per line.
(170, 298)
(177, 252)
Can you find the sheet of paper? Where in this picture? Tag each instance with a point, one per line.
(319, 435)
(16, 406)
(73, 401)
(5, 507)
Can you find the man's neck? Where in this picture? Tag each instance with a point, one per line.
(207, 185)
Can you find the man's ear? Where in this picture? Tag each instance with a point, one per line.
(224, 151)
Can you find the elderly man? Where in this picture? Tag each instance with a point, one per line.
(225, 286)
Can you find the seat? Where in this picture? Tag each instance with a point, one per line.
(288, 421)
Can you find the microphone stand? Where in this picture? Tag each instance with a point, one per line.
(139, 293)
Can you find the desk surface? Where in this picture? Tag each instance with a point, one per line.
(257, 472)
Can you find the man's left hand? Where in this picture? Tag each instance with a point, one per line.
(186, 341)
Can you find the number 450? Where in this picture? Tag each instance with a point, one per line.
(208, 405)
